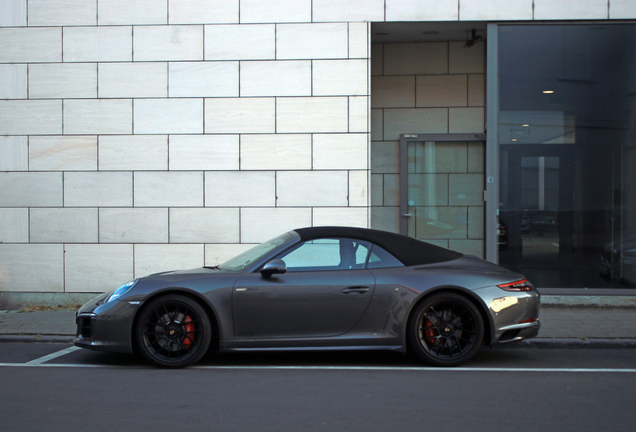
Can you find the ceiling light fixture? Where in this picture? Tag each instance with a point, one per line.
(548, 91)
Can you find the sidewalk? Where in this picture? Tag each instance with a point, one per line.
(561, 327)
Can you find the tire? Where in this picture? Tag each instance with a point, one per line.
(173, 331)
(445, 330)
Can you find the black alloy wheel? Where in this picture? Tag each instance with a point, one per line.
(446, 330)
(173, 331)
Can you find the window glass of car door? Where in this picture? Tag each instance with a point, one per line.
(327, 254)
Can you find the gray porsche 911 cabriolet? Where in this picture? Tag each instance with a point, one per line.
(318, 288)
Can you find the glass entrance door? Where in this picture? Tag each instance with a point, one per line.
(442, 190)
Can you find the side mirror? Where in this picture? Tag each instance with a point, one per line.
(276, 266)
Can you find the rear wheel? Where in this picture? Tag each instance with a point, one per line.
(173, 331)
(446, 330)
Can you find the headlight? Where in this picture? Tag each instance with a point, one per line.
(121, 291)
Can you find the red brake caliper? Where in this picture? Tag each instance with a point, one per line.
(189, 328)
(429, 332)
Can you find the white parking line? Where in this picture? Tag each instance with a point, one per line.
(46, 358)
(326, 368)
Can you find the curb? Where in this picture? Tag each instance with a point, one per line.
(570, 343)
(36, 338)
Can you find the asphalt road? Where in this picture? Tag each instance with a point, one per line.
(52, 387)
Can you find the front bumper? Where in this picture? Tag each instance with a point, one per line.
(106, 327)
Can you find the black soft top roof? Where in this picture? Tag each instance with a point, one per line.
(408, 250)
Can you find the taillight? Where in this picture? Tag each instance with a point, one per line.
(522, 285)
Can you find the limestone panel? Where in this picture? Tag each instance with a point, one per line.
(417, 120)
(133, 225)
(276, 78)
(466, 120)
(98, 267)
(422, 10)
(359, 188)
(393, 91)
(391, 190)
(13, 81)
(385, 157)
(93, 44)
(495, 10)
(133, 152)
(62, 80)
(466, 189)
(98, 189)
(240, 188)
(476, 90)
(476, 157)
(359, 114)
(133, 80)
(340, 151)
(377, 189)
(203, 11)
(216, 254)
(168, 43)
(312, 41)
(466, 60)
(240, 42)
(121, 12)
(424, 58)
(165, 116)
(151, 259)
(275, 11)
(377, 59)
(385, 219)
(100, 116)
(62, 12)
(442, 90)
(377, 124)
(276, 152)
(63, 153)
(30, 189)
(261, 224)
(30, 45)
(14, 153)
(31, 267)
(14, 225)
(312, 114)
(169, 189)
(312, 188)
(340, 78)
(204, 225)
(204, 152)
(63, 225)
(240, 115)
(622, 9)
(204, 79)
(14, 13)
(341, 216)
(583, 9)
(348, 10)
(30, 117)
(359, 42)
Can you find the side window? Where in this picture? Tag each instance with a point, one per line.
(380, 258)
(327, 254)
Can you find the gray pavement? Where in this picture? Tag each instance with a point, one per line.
(561, 326)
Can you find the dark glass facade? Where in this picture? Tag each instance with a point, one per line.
(567, 154)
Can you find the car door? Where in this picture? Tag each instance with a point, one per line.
(325, 292)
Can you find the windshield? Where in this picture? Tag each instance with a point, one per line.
(243, 260)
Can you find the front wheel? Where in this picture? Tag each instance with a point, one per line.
(446, 330)
(173, 331)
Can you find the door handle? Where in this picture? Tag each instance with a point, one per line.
(355, 290)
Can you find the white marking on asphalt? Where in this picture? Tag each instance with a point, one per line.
(337, 368)
(55, 355)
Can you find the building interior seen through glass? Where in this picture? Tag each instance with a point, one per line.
(567, 154)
